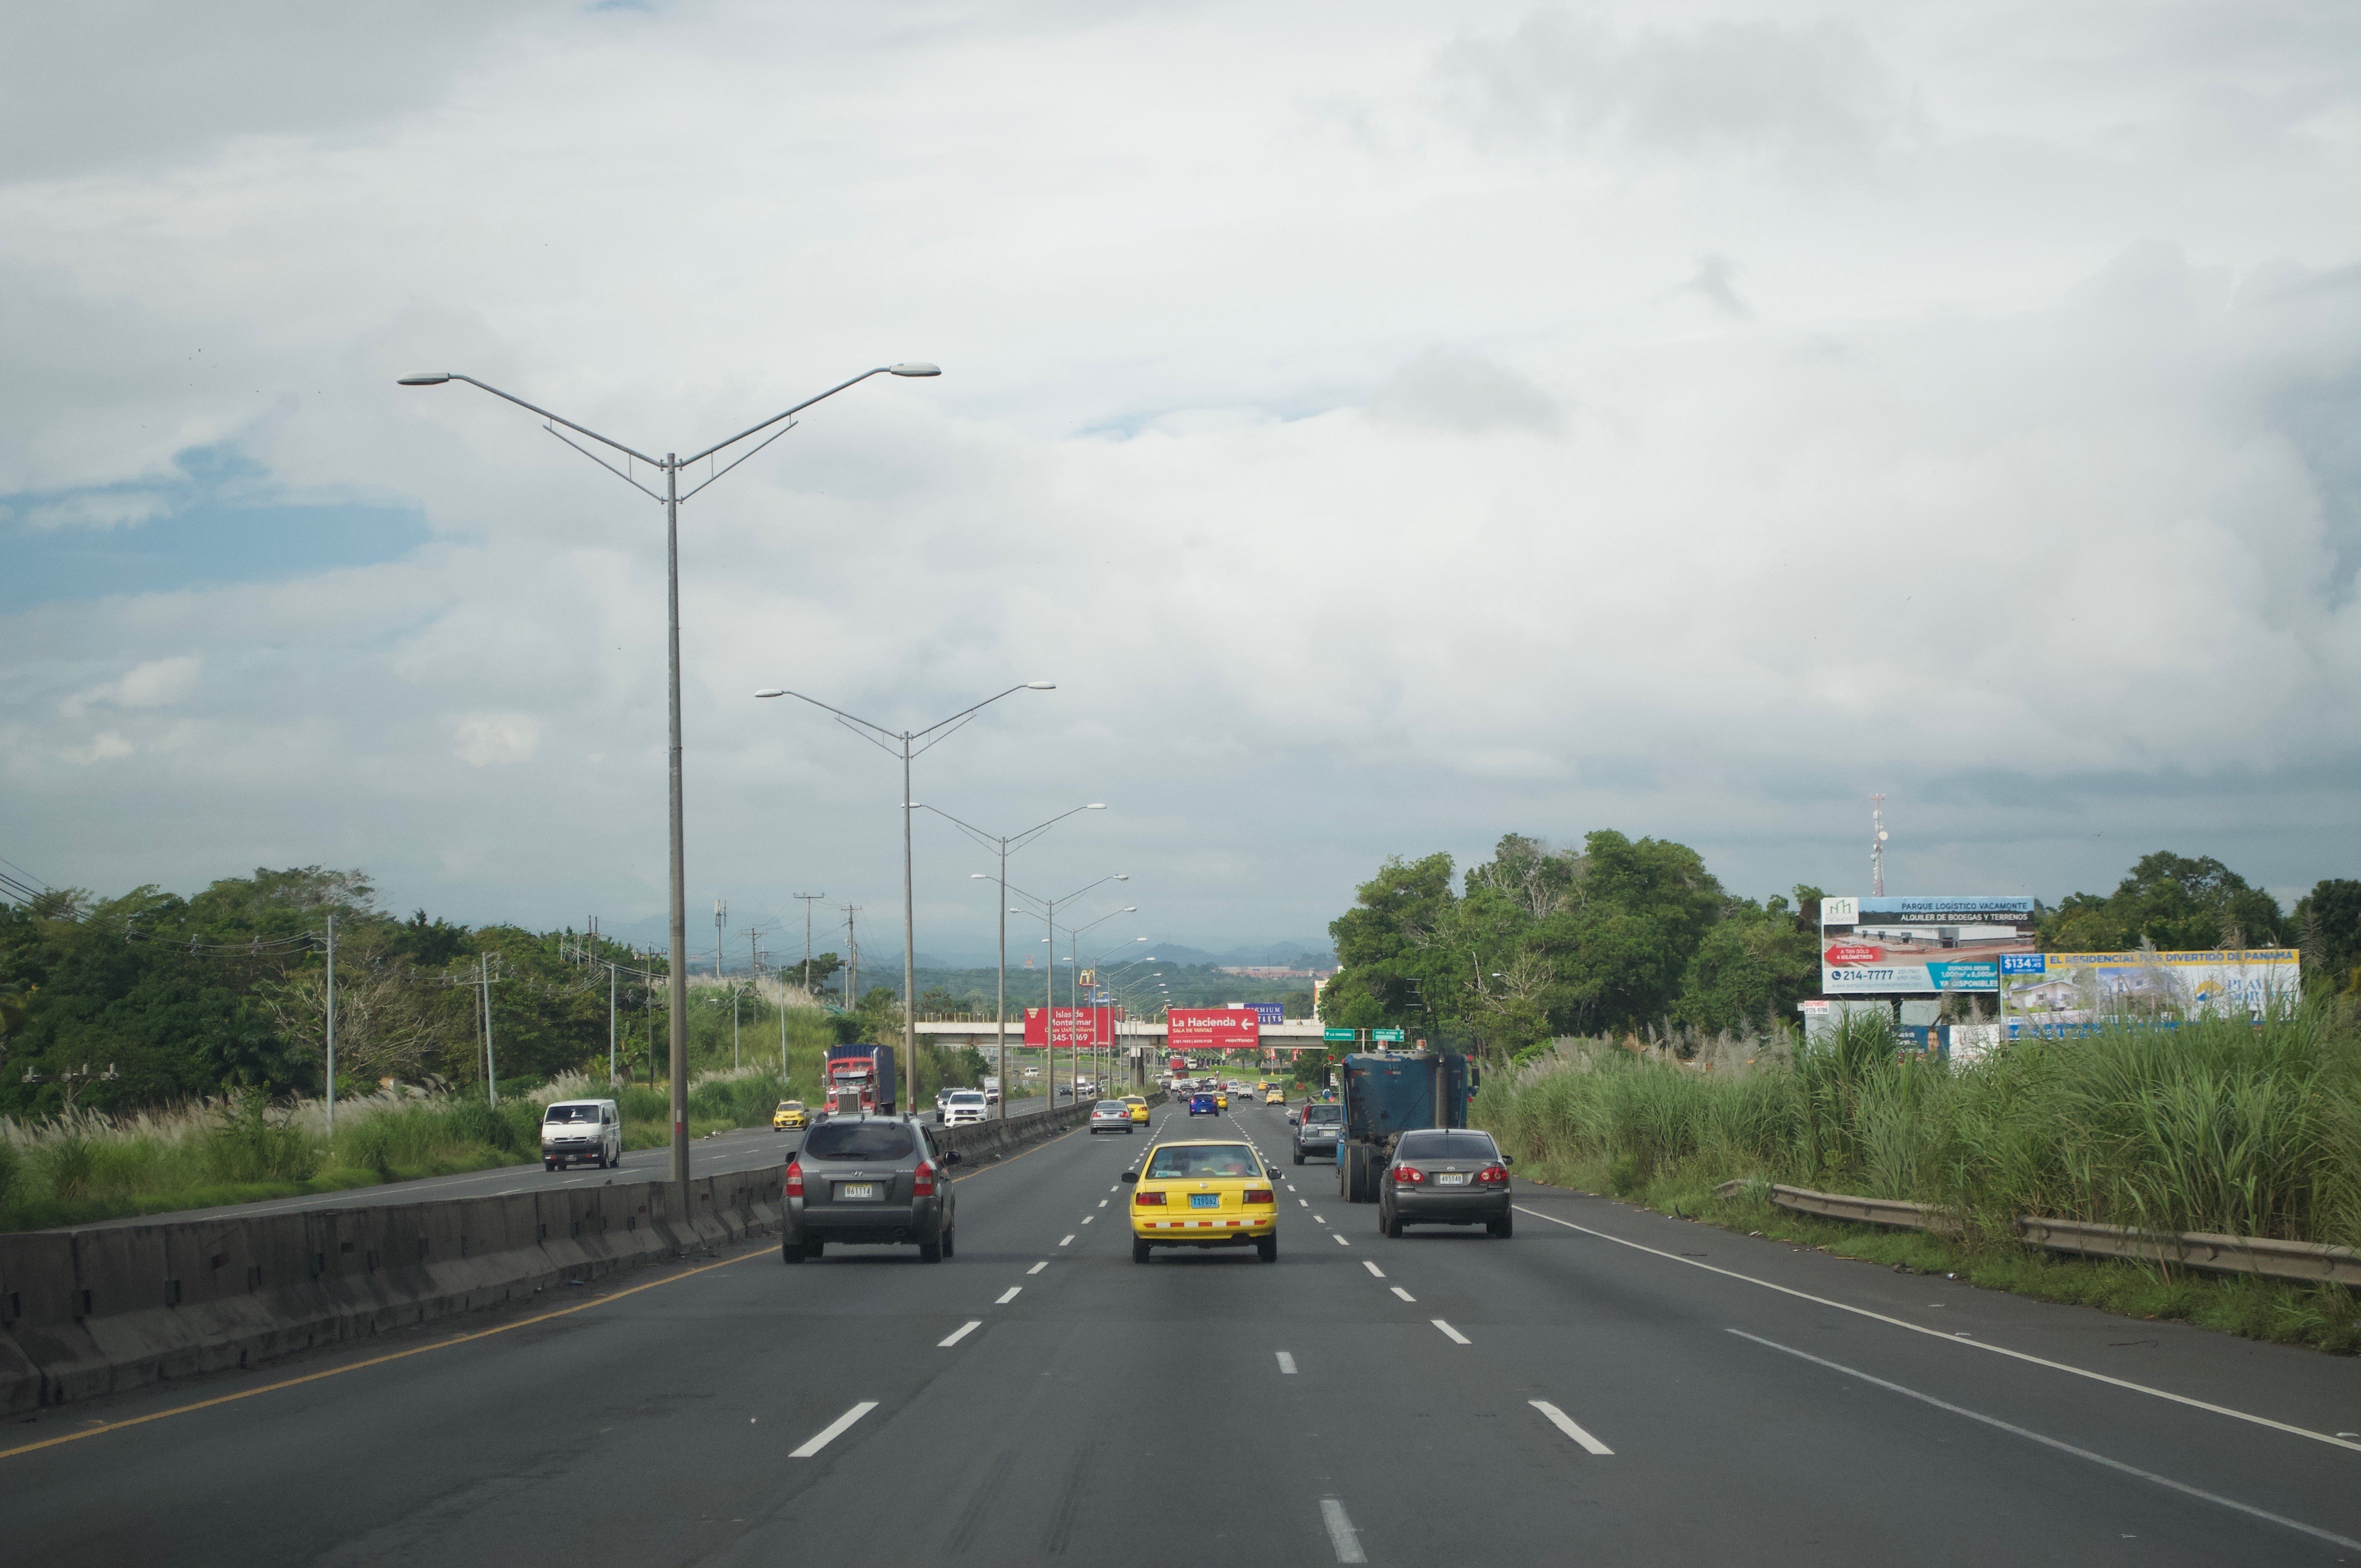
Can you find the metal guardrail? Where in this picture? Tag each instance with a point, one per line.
(2263, 1255)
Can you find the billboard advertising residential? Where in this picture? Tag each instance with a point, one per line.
(2061, 990)
(1877, 947)
(1075, 1026)
(1213, 1028)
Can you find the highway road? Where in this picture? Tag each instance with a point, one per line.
(1607, 1386)
(746, 1149)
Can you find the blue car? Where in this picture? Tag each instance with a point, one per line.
(1202, 1105)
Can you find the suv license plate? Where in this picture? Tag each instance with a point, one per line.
(1452, 1179)
(1204, 1199)
(856, 1191)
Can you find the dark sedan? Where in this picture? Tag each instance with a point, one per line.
(1437, 1178)
(868, 1179)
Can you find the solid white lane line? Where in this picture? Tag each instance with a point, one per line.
(1945, 1336)
(959, 1334)
(1038, 1266)
(2010, 1427)
(1373, 1268)
(1452, 1334)
(1286, 1361)
(1008, 1296)
(1341, 1241)
(834, 1429)
(1564, 1424)
(1067, 1241)
(1342, 1536)
(1404, 1294)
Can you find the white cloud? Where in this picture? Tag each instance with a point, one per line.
(1373, 490)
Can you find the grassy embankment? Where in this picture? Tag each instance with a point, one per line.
(2212, 1126)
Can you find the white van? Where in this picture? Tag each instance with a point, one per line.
(581, 1132)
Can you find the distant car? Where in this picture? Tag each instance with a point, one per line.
(868, 1179)
(1316, 1131)
(1202, 1195)
(1110, 1116)
(960, 1107)
(1446, 1177)
(1272, 1096)
(1201, 1104)
(790, 1113)
(1220, 1100)
(1138, 1104)
(581, 1132)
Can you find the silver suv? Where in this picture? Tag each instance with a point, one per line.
(1316, 1131)
(581, 1132)
(869, 1179)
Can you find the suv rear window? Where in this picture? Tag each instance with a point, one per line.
(1324, 1113)
(857, 1140)
(1446, 1146)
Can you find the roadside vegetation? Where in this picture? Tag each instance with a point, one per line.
(2215, 1125)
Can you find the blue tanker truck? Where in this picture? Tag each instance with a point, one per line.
(1385, 1094)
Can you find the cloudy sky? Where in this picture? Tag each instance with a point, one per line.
(1391, 425)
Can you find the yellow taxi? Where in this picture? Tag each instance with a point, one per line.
(1220, 1100)
(1204, 1193)
(790, 1113)
(1274, 1095)
(1138, 1104)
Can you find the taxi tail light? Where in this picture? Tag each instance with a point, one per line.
(1262, 1195)
(922, 1180)
(1408, 1173)
(1156, 1199)
(795, 1178)
(1493, 1174)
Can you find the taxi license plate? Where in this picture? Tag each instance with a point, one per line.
(1204, 1199)
(857, 1191)
(1452, 1179)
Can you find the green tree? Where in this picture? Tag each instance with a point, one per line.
(2177, 903)
(2327, 921)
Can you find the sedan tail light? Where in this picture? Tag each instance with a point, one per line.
(795, 1178)
(1408, 1173)
(922, 1180)
(1156, 1199)
(1262, 1195)
(1493, 1174)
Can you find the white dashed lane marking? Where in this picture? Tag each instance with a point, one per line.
(1373, 1268)
(834, 1429)
(1286, 1361)
(1404, 1294)
(1454, 1335)
(1038, 1266)
(1008, 1296)
(1564, 1424)
(959, 1334)
(1067, 1241)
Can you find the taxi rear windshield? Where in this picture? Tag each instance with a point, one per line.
(1446, 1146)
(857, 1140)
(1202, 1159)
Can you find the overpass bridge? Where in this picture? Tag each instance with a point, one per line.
(1293, 1035)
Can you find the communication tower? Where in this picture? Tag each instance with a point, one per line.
(1877, 846)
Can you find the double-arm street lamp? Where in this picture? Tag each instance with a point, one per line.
(1002, 845)
(1048, 909)
(1074, 986)
(670, 466)
(907, 744)
(1098, 986)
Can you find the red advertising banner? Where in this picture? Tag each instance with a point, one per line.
(1213, 1028)
(1074, 1026)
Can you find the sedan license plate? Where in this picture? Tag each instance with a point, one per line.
(1452, 1179)
(1204, 1199)
(856, 1191)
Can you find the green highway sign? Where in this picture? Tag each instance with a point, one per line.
(1392, 1036)
(1347, 1035)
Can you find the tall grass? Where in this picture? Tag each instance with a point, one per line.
(2216, 1126)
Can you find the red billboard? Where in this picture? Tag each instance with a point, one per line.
(1213, 1028)
(1075, 1026)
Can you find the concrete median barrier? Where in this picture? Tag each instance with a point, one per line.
(97, 1311)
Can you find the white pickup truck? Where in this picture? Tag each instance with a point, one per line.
(959, 1107)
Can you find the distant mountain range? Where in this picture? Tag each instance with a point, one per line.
(876, 960)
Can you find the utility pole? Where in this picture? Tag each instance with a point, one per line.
(610, 1025)
(851, 958)
(332, 1025)
(491, 1072)
(754, 951)
(1877, 846)
(809, 898)
(720, 917)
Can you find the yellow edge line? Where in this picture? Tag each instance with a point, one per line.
(372, 1361)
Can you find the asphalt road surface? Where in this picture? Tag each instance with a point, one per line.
(746, 1149)
(1608, 1387)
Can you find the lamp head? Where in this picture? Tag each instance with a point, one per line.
(433, 378)
(772, 691)
(1040, 686)
(914, 368)
(1095, 805)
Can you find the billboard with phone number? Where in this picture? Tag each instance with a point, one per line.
(1873, 947)
(1074, 1026)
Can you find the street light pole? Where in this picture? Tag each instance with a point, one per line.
(905, 746)
(1048, 907)
(672, 463)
